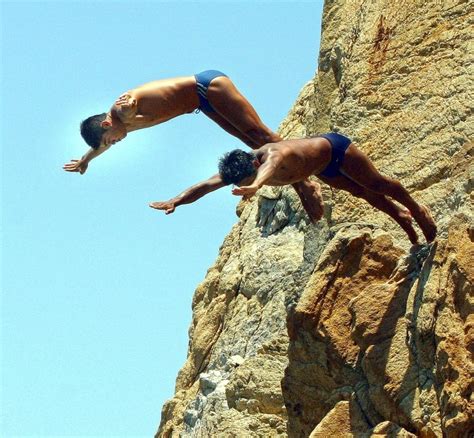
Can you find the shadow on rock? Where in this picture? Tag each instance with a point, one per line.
(352, 339)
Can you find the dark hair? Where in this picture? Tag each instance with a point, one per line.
(236, 165)
(92, 131)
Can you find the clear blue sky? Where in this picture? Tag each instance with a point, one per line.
(96, 286)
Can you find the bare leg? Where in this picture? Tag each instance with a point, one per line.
(236, 115)
(358, 167)
(400, 215)
(237, 110)
(228, 127)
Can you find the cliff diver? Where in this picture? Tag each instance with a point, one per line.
(211, 92)
(335, 160)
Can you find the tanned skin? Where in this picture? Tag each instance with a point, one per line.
(159, 101)
(290, 161)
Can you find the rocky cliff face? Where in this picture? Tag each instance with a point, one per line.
(341, 328)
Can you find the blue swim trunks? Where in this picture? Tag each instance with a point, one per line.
(339, 145)
(203, 80)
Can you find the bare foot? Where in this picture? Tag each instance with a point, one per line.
(405, 220)
(311, 198)
(426, 223)
(167, 206)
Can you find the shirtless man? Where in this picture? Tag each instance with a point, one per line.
(156, 102)
(335, 160)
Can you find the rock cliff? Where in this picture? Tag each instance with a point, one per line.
(341, 328)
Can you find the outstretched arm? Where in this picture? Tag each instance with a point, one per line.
(125, 107)
(82, 164)
(264, 173)
(190, 195)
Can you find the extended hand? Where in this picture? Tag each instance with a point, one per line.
(76, 166)
(167, 206)
(245, 190)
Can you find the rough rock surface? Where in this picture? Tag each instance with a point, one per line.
(341, 328)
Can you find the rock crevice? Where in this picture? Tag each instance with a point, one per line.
(341, 328)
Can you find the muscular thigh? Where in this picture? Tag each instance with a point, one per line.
(358, 167)
(228, 127)
(233, 106)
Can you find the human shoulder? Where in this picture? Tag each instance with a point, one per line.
(280, 148)
(270, 151)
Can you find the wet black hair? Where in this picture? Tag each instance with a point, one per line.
(92, 131)
(236, 165)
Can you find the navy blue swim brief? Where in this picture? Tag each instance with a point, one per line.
(339, 145)
(203, 80)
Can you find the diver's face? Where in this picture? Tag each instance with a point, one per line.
(113, 132)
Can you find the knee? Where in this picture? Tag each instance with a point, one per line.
(249, 142)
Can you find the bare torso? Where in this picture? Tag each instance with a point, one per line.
(300, 159)
(159, 101)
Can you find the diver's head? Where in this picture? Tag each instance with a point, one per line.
(238, 165)
(102, 129)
